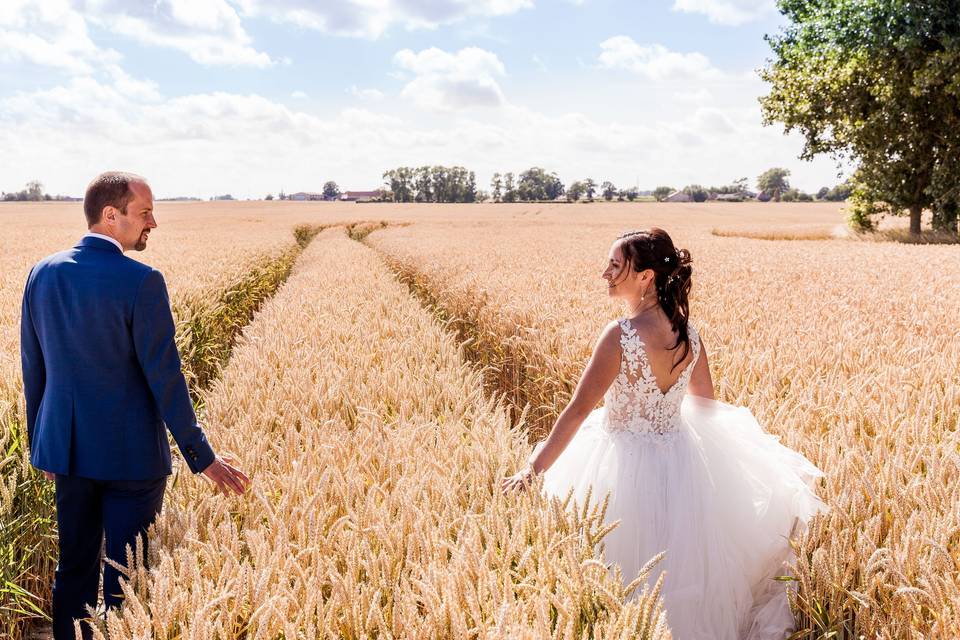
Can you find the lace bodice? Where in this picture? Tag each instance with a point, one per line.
(634, 402)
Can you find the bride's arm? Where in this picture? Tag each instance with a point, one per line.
(600, 373)
(701, 384)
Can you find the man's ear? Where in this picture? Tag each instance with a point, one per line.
(109, 214)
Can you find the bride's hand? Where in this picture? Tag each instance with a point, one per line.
(518, 481)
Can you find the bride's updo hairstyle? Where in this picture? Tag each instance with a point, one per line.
(653, 249)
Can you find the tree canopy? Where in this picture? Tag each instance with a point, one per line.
(431, 184)
(774, 182)
(331, 190)
(661, 193)
(536, 184)
(875, 83)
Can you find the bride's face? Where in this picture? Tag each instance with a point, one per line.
(619, 275)
(622, 280)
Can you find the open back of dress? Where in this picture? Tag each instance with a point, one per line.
(700, 480)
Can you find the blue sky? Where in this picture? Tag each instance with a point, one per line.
(252, 96)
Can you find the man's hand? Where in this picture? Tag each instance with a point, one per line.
(49, 476)
(227, 477)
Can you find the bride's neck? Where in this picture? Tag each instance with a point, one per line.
(637, 307)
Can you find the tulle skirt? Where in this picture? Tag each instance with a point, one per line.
(720, 497)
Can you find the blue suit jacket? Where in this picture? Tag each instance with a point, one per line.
(101, 372)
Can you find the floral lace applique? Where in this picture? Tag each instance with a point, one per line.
(634, 402)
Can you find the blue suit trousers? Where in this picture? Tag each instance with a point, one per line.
(87, 512)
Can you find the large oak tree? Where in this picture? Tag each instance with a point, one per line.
(875, 82)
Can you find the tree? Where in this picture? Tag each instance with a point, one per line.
(399, 183)
(34, 191)
(496, 184)
(822, 193)
(269, 196)
(575, 191)
(696, 192)
(469, 193)
(630, 194)
(532, 184)
(590, 188)
(509, 190)
(282, 195)
(608, 190)
(840, 192)
(774, 182)
(874, 83)
(536, 184)
(423, 184)
(331, 191)
(661, 193)
(554, 187)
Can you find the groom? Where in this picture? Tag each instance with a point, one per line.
(101, 376)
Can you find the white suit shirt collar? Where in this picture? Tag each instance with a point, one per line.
(91, 234)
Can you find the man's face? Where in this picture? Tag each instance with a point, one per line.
(133, 227)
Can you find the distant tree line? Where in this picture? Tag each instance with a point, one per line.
(430, 184)
(773, 185)
(33, 192)
(535, 184)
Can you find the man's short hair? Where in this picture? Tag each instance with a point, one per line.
(109, 189)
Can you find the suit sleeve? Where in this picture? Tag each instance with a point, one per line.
(31, 359)
(153, 337)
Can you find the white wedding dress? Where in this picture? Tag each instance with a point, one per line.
(700, 480)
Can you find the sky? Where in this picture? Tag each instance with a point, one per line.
(250, 97)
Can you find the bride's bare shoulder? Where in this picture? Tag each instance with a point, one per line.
(608, 343)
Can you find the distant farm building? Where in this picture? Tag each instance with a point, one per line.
(731, 197)
(678, 196)
(360, 196)
(306, 195)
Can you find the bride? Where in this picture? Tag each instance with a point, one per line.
(686, 474)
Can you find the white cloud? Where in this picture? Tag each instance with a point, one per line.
(729, 12)
(712, 120)
(209, 31)
(299, 95)
(372, 18)
(125, 84)
(452, 81)
(49, 33)
(654, 61)
(55, 33)
(373, 95)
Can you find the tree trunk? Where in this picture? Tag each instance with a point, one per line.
(915, 212)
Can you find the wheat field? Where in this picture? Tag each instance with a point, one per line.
(375, 440)
(206, 261)
(847, 350)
